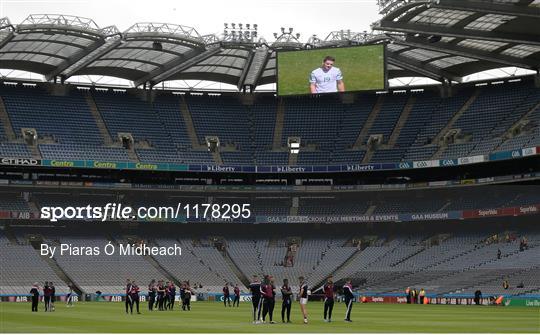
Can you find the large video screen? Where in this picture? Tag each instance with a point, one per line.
(332, 70)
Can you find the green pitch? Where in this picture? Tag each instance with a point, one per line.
(362, 68)
(212, 317)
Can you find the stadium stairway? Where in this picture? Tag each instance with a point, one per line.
(450, 124)
(444, 207)
(278, 128)
(152, 261)
(401, 121)
(34, 150)
(234, 267)
(12, 238)
(6, 122)
(36, 244)
(341, 267)
(370, 210)
(361, 139)
(217, 158)
(293, 159)
(190, 127)
(368, 155)
(295, 207)
(508, 133)
(399, 261)
(105, 135)
(132, 154)
(456, 116)
(382, 256)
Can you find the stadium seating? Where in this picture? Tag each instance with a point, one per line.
(328, 128)
(449, 263)
(113, 269)
(22, 266)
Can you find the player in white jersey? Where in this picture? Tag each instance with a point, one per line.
(327, 78)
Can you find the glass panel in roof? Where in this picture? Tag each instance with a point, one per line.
(451, 61)
(440, 17)
(422, 54)
(521, 50)
(396, 47)
(489, 22)
(481, 44)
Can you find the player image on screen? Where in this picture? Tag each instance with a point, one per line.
(321, 71)
(327, 78)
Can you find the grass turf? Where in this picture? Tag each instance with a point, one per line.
(362, 68)
(212, 317)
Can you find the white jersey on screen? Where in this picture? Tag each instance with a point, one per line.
(325, 82)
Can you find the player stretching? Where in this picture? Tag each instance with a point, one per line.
(255, 288)
(349, 298)
(303, 298)
(70, 297)
(328, 300)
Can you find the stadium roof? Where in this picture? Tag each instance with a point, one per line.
(443, 40)
(453, 38)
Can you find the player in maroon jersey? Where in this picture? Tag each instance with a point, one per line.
(329, 294)
(236, 296)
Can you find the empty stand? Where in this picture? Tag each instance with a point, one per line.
(172, 128)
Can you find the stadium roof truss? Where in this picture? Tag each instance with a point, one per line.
(444, 40)
(453, 38)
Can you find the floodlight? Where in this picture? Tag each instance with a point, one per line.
(290, 30)
(226, 25)
(283, 30)
(275, 35)
(248, 25)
